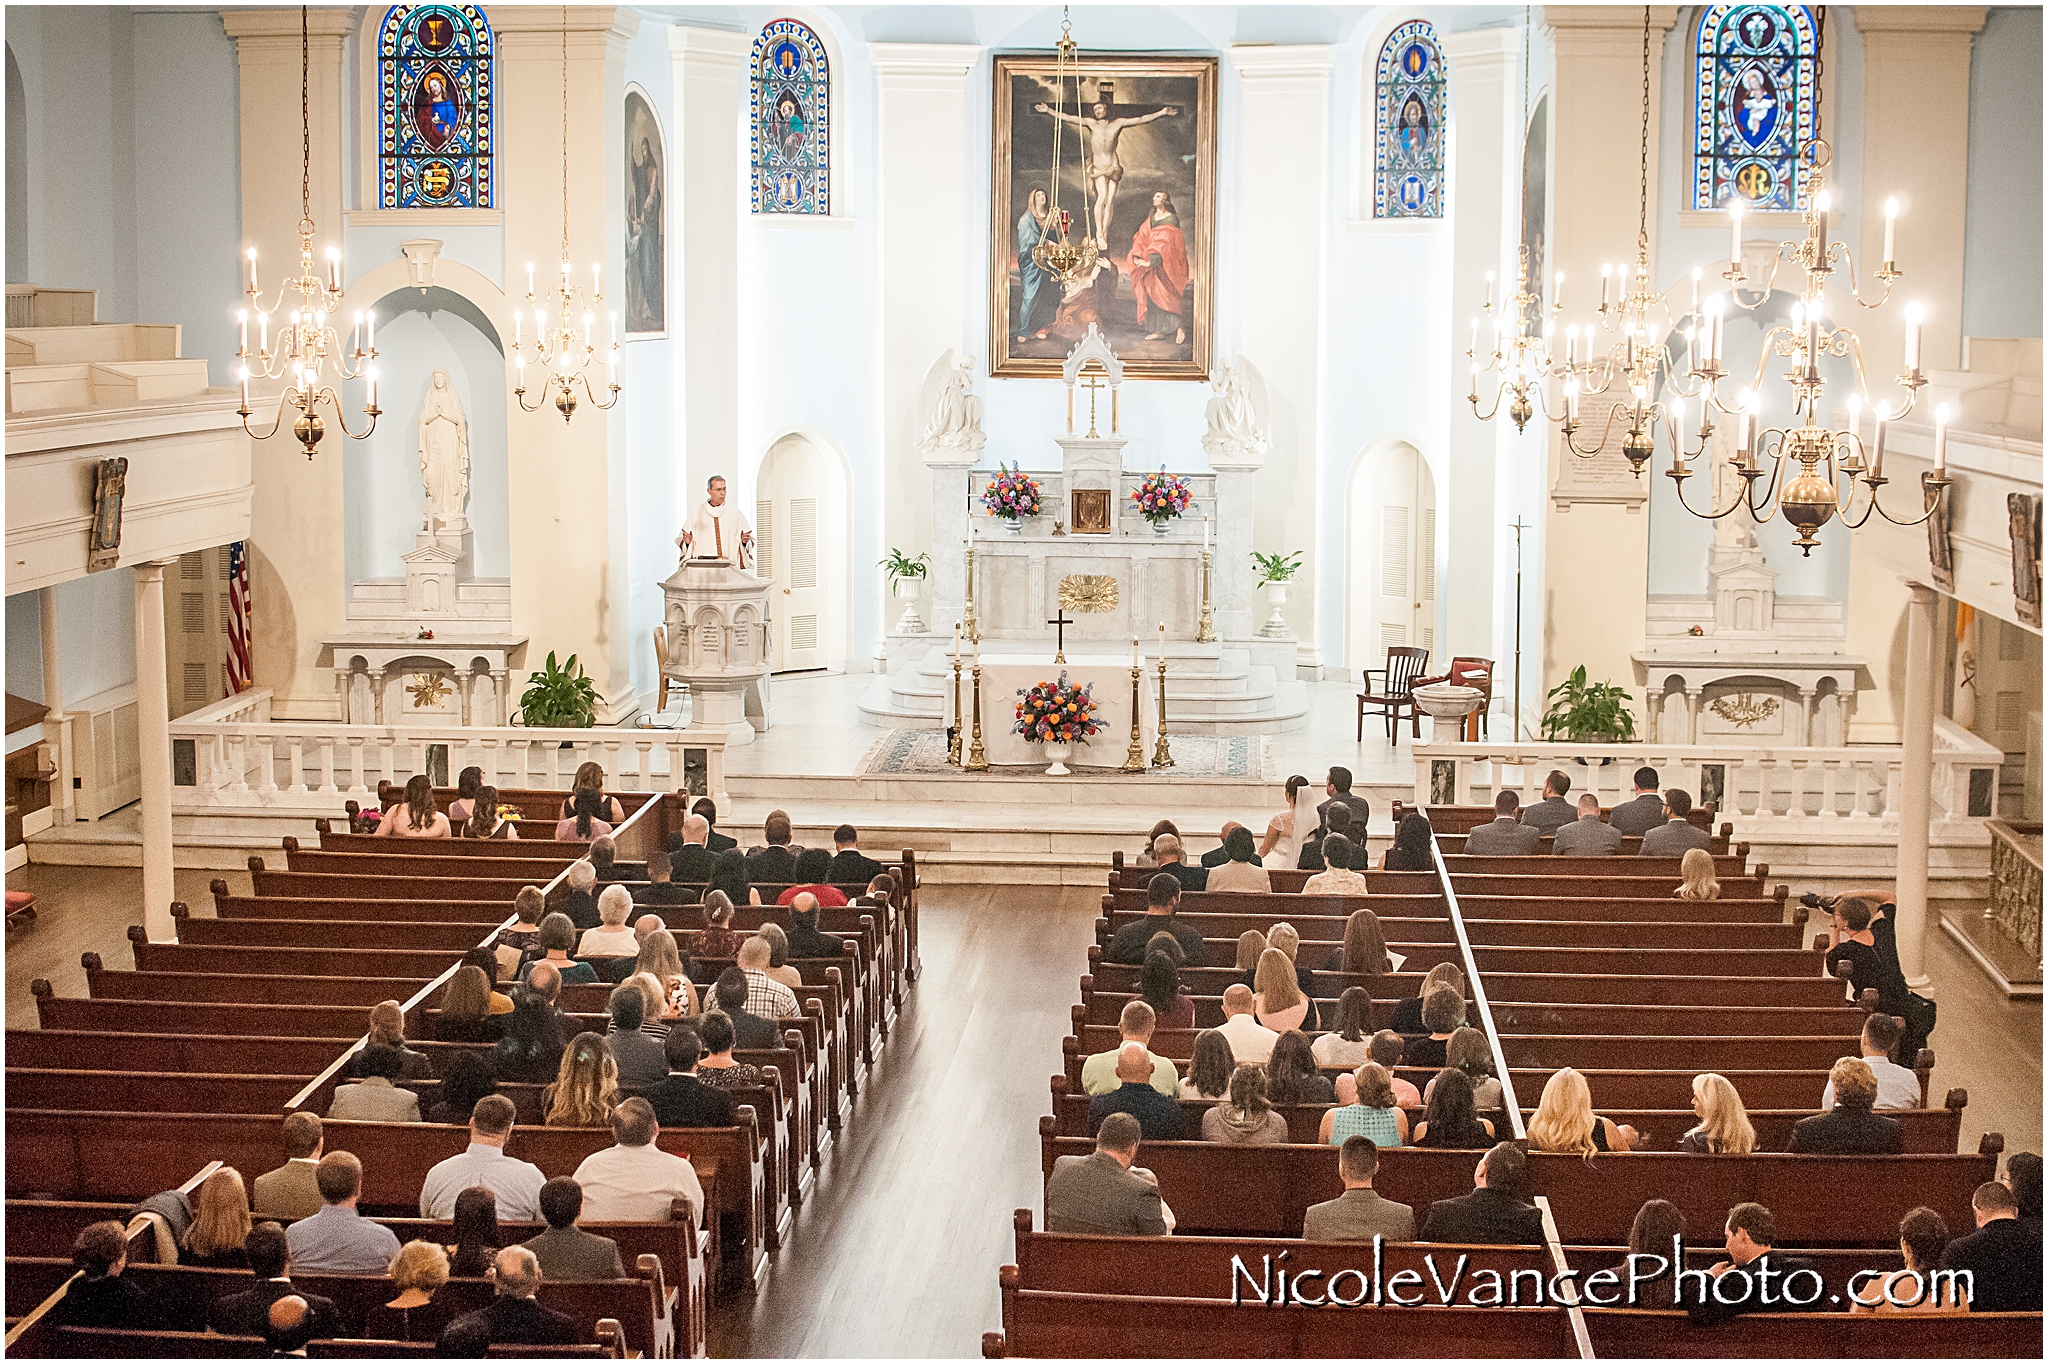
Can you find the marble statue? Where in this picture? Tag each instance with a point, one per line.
(444, 453)
(1737, 530)
(1240, 417)
(951, 414)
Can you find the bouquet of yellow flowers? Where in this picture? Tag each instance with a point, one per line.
(1057, 713)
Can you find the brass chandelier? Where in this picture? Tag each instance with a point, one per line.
(1057, 253)
(306, 343)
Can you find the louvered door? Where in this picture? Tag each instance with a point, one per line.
(1392, 586)
(787, 515)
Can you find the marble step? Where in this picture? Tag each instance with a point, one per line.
(1269, 714)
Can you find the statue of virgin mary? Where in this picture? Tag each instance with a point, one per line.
(444, 453)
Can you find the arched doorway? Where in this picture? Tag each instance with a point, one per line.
(1390, 528)
(800, 524)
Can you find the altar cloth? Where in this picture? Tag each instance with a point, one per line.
(1005, 677)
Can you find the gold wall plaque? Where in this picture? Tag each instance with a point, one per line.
(1088, 593)
(1092, 515)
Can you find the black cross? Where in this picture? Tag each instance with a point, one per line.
(1060, 619)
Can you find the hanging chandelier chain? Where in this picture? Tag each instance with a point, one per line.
(1526, 21)
(565, 132)
(305, 114)
(1643, 170)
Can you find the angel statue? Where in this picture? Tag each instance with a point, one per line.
(951, 413)
(1240, 418)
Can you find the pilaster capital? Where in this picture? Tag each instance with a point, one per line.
(711, 49)
(527, 22)
(1481, 46)
(1304, 65)
(1918, 20)
(931, 66)
(280, 27)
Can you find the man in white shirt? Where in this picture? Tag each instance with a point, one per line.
(1098, 1072)
(635, 1180)
(516, 1183)
(1897, 1087)
(1250, 1041)
(717, 530)
(766, 998)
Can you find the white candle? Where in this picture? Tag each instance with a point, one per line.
(977, 651)
(1475, 378)
(1571, 400)
(596, 282)
(1855, 415)
(956, 641)
(252, 269)
(245, 381)
(615, 331)
(1745, 432)
(518, 328)
(1941, 415)
(1205, 532)
(1134, 651)
(333, 270)
(244, 317)
(1720, 328)
(372, 403)
(1813, 343)
(1891, 223)
(1735, 233)
(1695, 288)
(1882, 412)
(529, 279)
(1821, 204)
(1489, 290)
(263, 333)
(1914, 315)
(565, 276)
(1606, 284)
(370, 332)
(1557, 290)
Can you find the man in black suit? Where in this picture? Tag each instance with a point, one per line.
(851, 866)
(1850, 1128)
(750, 1031)
(689, 855)
(2003, 1255)
(775, 864)
(1166, 851)
(1493, 1214)
(577, 897)
(1159, 1118)
(683, 1100)
(1219, 854)
(706, 810)
(805, 941)
(515, 1318)
(1338, 786)
(1162, 898)
(1763, 1280)
(248, 1313)
(1312, 858)
(661, 888)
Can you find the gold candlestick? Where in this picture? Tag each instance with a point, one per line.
(977, 757)
(1207, 634)
(972, 625)
(1162, 753)
(1134, 761)
(953, 743)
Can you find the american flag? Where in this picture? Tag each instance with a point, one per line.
(236, 672)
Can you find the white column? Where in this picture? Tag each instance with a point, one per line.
(1653, 715)
(709, 65)
(1693, 696)
(1230, 564)
(1916, 779)
(1806, 716)
(56, 725)
(950, 480)
(153, 723)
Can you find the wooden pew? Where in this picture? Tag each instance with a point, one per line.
(1728, 865)
(1323, 936)
(1326, 911)
(48, 1227)
(369, 935)
(119, 1091)
(390, 886)
(1463, 819)
(152, 983)
(171, 1053)
(86, 1342)
(342, 1025)
(485, 914)
(1623, 1333)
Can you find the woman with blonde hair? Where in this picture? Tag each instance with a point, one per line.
(416, 816)
(1284, 937)
(419, 1272)
(1373, 1113)
(1565, 1122)
(1696, 870)
(1365, 946)
(220, 1223)
(779, 968)
(1407, 1019)
(660, 959)
(1277, 1001)
(1247, 1118)
(1724, 1128)
(586, 1087)
(1251, 945)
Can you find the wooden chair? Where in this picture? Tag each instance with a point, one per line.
(1465, 672)
(1394, 693)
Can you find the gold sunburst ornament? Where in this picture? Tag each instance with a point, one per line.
(1090, 594)
(1743, 710)
(428, 690)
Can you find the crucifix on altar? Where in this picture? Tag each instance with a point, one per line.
(1094, 384)
(1061, 620)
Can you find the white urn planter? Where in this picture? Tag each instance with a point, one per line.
(910, 622)
(1058, 753)
(1447, 704)
(1276, 597)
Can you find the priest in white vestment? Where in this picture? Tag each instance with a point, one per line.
(717, 530)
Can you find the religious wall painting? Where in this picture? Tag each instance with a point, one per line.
(646, 218)
(2023, 515)
(436, 108)
(789, 134)
(1136, 139)
(1411, 115)
(1756, 110)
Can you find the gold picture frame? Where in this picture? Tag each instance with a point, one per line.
(1091, 512)
(1158, 127)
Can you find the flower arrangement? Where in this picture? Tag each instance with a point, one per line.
(1011, 494)
(1057, 713)
(1161, 497)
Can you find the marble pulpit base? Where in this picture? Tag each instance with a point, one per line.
(1003, 676)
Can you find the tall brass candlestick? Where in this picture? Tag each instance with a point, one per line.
(1162, 754)
(973, 626)
(953, 744)
(1134, 761)
(1207, 634)
(977, 757)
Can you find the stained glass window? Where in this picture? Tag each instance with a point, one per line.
(435, 111)
(1408, 155)
(1754, 112)
(788, 142)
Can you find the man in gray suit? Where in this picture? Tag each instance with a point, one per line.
(1504, 837)
(1099, 1194)
(1678, 834)
(565, 1251)
(374, 1098)
(1359, 1214)
(1644, 813)
(1553, 812)
(1588, 835)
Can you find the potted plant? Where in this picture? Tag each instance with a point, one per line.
(1273, 572)
(559, 696)
(1011, 496)
(1583, 712)
(1161, 498)
(1058, 715)
(902, 569)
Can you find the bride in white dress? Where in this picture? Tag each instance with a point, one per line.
(1283, 831)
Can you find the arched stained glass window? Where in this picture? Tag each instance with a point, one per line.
(1408, 153)
(436, 110)
(1754, 107)
(789, 141)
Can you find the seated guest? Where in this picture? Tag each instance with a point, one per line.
(577, 896)
(387, 1028)
(1412, 837)
(683, 1099)
(1443, 1011)
(1389, 1049)
(716, 1067)
(660, 961)
(1696, 879)
(290, 1191)
(1849, 1128)
(1373, 1115)
(1220, 854)
(613, 937)
(586, 1088)
(1146, 858)
(1677, 834)
(1505, 836)
(337, 1239)
(1468, 1051)
(1351, 1043)
(634, 1180)
(248, 1312)
(1339, 822)
(1251, 945)
(1750, 1234)
(1358, 1214)
(1283, 938)
(420, 1271)
(1451, 1121)
(752, 1031)
(717, 941)
(1588, 835)
(584, 823)
(1100, 1193)
(706, 809)
(637, 1059)
(466, 1010)
(530, 1047)
(564, 1250)
(485, 960)
(1564, 1121)
(1249, 1040)
(604, 856)
(415, 816)
(590, 777)
(1494, 1213)
(288, 1328)
(513, 1318)
(1724, 1127)
(1658, 1223)
(1158, 1115)
(1338, 788)
(220, 1223)
(515, 1183)
(661, 888)
(691, 857)
(1407, 1017)
(485, 820)
(1364, 952)
(1634, 818)
(514, 946)
(805, 941)
(2023, 1175)
(1239, 869)
(1339, 878)
(1247, 1117)
(730, 877)
(374, 1098)
(1134, 1026)
(1919, 1288)
(814, 878)
(476, 1233)
(1277, 1001)
(1209, 1073)
(778, 968)
(1291, 1074)
(775, 863)
(469, 784)
(1897, 1087)
(850, 866)
(100, 1296)
(466, 1078)
(1553, 812)
(1159, 986)
(766, 996)
(1852, 938)
(1162, 900)
(2003, 1255)
(557, 939)
(1166, 854)
(1284, 831)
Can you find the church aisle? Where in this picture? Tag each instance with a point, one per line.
(896, 1253)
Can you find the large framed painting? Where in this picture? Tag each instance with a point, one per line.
(646, 219)
(1134, 140)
